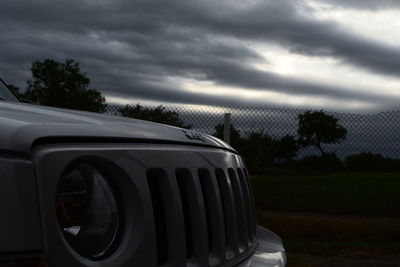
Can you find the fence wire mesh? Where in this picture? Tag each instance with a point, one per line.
(375, 133)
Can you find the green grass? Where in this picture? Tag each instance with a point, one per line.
(354, 215)
(373, 194)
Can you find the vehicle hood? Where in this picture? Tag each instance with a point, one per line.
(23, 125)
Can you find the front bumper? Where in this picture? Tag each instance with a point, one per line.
(270, 251)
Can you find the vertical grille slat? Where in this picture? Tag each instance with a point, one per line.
(167, 217)
(230, 217)
(194, 217)
(240, 209)
(214, 215)
(185, 185)
(252, 204)
(156, 183)
(248, 206)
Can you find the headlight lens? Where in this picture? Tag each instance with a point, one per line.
(87, 211)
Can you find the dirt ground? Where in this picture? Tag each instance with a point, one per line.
(335, 240)
(303, 260)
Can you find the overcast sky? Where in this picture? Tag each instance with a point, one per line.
(331, 54)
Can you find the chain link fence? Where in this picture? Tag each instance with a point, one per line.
(375, 133)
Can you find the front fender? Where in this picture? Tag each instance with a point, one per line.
(270, 251)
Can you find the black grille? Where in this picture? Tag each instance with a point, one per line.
(160, 194)
(215, 208)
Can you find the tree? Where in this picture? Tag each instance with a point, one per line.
(286, 147)
(317, 128)
(158, 114)
(258, 151)
(62, 84)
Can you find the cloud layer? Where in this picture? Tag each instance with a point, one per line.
(153, 49)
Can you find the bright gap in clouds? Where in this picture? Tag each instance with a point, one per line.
(255, 97)
(324, 70)
(272, 98)
(380, 25)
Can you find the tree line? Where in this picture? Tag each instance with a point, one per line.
(264, 153)
(65, 85)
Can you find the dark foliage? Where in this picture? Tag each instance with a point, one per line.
(318, 164)
(62, 84)
(317, 128)
(286, 148)
(260, 151)
(158, 114)
(371, 162)
(16, 91)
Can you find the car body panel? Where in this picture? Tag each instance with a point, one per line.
(269, 253)
(24, 124)
(20, 229)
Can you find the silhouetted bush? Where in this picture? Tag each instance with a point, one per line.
(158, 114)
(258, 152)
(371, 162)
(327, 163)
(285, 148)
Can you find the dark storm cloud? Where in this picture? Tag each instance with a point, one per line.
(134, 48)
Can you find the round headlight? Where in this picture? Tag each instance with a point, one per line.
(87, 211)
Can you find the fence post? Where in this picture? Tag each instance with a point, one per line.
(227, 128)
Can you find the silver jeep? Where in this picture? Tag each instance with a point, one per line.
(86, 189)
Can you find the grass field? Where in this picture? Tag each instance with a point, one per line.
(350, 215)
(352, 193)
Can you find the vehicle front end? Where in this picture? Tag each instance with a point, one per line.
(78, 189)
